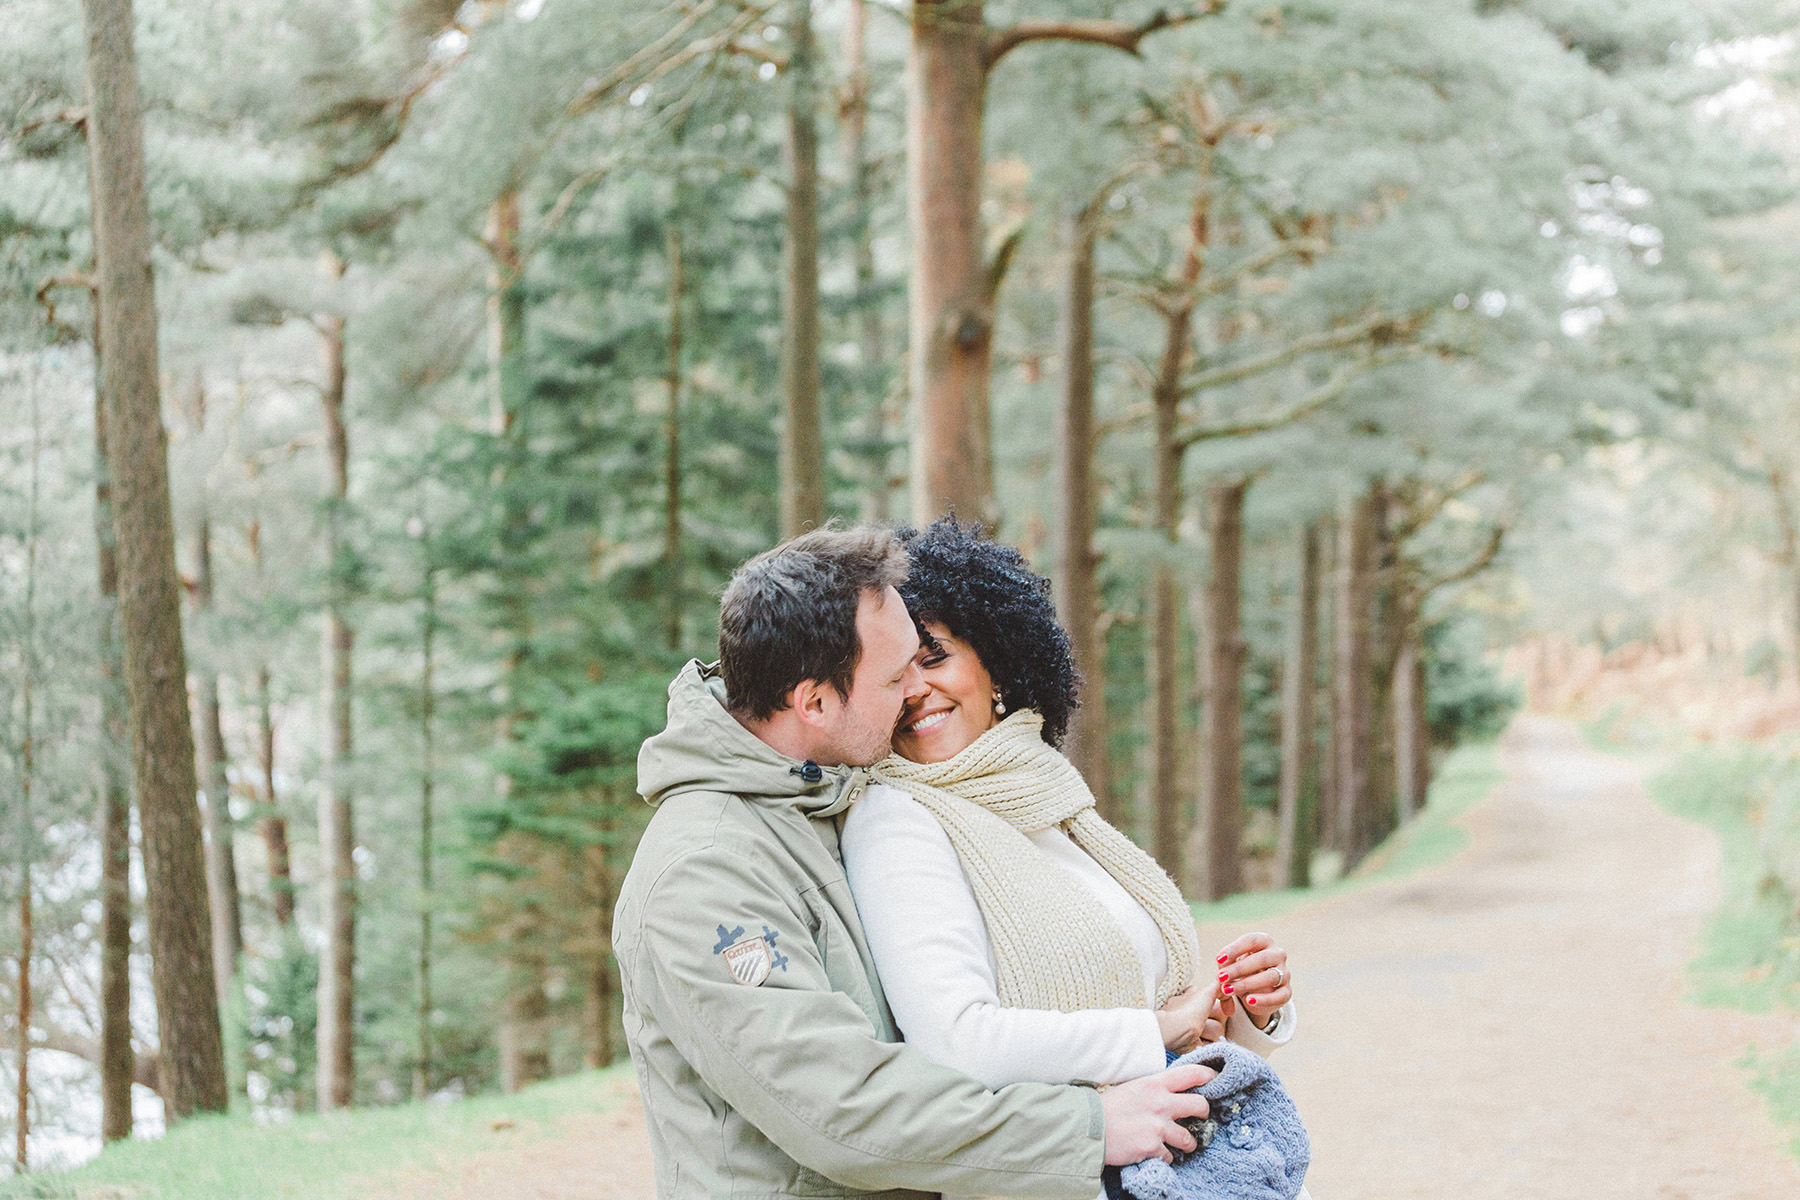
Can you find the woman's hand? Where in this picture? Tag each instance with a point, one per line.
(1186, 1019)
(1253, 971)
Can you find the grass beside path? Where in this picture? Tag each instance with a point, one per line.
(319, 1157)
(1749, 956)
(1463, 780)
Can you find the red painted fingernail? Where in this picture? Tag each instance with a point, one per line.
(1249, 999)
(1224, 976)
(1221, 960)
(1228, 989)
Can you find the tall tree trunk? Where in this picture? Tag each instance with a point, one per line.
(1164, 705)
(1384, 651)
(506, 314)
(951, 349)
(1328, 733)
(1412, 739)
(187, 1006)
(427, 781)
(524, 1023)
(221, 865)
(270, 823)
(27, 844)
(599, 1007)
(27, 946)
(523, 1048)
(507, 418)
(802, 443)
(1298, 807)
(1215, 853)
(1420, 709)
(675, 578)
(1355, 728)
(1789, 525)
(1163, 618)
(118, 1062)
(1077, 582)
(951, 308)
(337, 833)
(871, 339)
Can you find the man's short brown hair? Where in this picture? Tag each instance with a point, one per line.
(789, 614)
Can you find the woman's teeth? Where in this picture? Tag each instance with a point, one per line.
(927, 724)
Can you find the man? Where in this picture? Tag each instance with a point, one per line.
(770, 1065)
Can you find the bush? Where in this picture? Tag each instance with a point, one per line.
(1465, 698)
(1750, 957)
(1779, 839)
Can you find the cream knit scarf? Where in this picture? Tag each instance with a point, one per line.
(1055, 945)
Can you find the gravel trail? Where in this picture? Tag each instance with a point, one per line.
(1512, 1023)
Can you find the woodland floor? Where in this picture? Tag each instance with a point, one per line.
(1509, 1024)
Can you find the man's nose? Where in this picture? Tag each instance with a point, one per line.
(915, 682)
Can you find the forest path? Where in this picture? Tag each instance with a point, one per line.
(1510, 1024)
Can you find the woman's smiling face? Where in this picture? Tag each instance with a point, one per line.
(957, 707)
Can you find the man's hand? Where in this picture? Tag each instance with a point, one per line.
(1141, 1115)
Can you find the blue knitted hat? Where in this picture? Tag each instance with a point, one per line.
(1253, 1144)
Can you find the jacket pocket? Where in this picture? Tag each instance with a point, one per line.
(808, 1182)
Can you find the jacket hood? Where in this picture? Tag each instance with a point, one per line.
(704, 749)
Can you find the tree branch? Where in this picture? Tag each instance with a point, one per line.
(84, 282)
(759, 54)
(1117, 34)
(596, 91)
(566, 197)
(400, 107)
(1475, 566)
(74, 118)
(146, 1067)
(1327, 392)
(1419, 518)
(1161, 294)
(1300, 247)
(1142, 375)
(1381, 329)
(1002, 260)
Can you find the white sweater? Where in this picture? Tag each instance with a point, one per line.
(937, 968)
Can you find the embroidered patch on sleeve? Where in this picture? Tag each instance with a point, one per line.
(750, 959)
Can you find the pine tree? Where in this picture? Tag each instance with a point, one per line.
(155, 668)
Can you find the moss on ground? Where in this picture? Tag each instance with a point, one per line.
(319, 1157)
(1463, 780)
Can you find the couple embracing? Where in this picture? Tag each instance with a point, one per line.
(877, 941)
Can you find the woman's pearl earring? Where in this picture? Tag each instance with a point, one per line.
(999, 704)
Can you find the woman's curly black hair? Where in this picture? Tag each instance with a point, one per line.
(985, 593)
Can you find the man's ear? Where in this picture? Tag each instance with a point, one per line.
(810, 701)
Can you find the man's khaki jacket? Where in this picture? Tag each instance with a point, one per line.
(769, 1063)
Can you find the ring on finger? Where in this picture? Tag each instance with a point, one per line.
(1281, 976)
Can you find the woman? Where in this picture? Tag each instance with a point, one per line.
(1020, 937)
